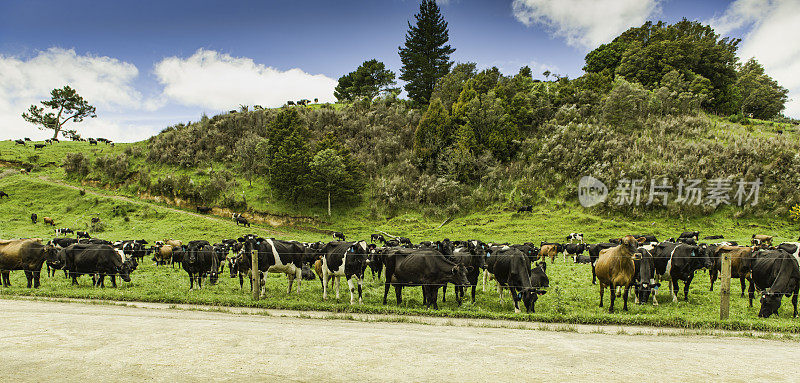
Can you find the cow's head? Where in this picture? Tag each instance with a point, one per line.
(770, 302)
(125, 270)
(458, 275)
(539, 279)
(630, 243)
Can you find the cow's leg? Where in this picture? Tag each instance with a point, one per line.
(36, 275)
(444, 292)
(360, 290)
(515, 298)
(29, 277)
(434, 295)
(338, 281)
(263, 277)
(74, 276)
(741, 281)
(485, 277)
(351, 288)
(191, 281)
(386, 290)
(594, 276)
(398, 292)
(636, 293)
(673, 286)
(601, 293)
(4, 278)
(794, 301)
(612, 293)
(290, 277)
(298, 275)
(712, 275)
(113, 280)
(325, 278)
(686, 288)
(625, 298)
(500, 292)
(750, 292)
(95, 280)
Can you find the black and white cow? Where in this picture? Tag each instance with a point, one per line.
(286, 257)
(375, 238)
(34, 218)
(344, 259)
(421, 267)
(82, 234)
(64, 231)
(337, 236)
(575, 237)
(679, 261)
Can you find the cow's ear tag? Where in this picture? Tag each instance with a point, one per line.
(519, 295)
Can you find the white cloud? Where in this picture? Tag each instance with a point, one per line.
(585, 23)
(217, 80)
(104, 82)
(771, 38)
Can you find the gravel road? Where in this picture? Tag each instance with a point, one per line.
(55, 341)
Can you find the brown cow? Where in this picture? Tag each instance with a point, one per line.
(174, 243)
(164, 255)
(741, 263)
(27, 255)
(49, 221)
(615, 269)
(761, 240)
(548, 251)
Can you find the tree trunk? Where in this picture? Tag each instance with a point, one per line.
(55, 136)
(329, 204)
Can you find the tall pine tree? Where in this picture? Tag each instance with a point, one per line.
(425, 55)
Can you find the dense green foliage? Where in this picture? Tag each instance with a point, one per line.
(760, 95)
(425, 54)
(369, 80)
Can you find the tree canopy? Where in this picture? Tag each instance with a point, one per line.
(425, 54)
(66, 105)
(369, 80)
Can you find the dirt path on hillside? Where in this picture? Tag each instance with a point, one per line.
(155, 206)
(52, 341)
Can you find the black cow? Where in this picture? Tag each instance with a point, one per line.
(337, 236)
(421, 267)
(83, 234)
(583, 259)
(573, 249)
(375, 238)
(34, 218)
(241, 220)
(97, 260)
(648, 238)
(405, 241)
(203, 209)
(92, 141)
(3, 194)
(594, 255)
(376, 257)
(38, 146)
(178, 253)
(200, 260)
(63, 242)
(511, 270)
(690, 234)
(679, 261)
(776, 273)
(26, 139)
(19, 142)
(473, 257)
(524, 208)
(714, 237)
(344, 259)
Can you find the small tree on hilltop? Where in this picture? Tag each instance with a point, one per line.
(67, 105)
(369, 80)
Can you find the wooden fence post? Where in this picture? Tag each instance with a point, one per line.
(725, 286)
(255, 274)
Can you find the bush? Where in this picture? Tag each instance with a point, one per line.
(76, 165)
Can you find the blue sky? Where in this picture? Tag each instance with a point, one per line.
(150, 64)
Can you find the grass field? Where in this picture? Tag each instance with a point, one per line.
(571, 298)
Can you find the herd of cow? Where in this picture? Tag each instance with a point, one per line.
(633, 261)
